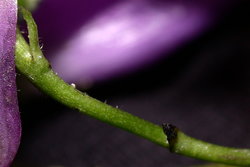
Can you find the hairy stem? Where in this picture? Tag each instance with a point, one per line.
(31, 62)
(182, 144)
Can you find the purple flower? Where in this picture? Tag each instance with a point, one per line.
(102, 38)
(10, 129)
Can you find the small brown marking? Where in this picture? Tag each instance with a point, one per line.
(171, 132)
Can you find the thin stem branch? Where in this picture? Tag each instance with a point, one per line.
(31, 62)
(182, 144)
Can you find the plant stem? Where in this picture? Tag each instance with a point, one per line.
(182, 144)
(31, 62)
(51, 84)
(29, 4)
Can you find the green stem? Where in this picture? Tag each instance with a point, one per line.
(202, 150)
(180, 143)
(51, 84)
(31, 62)
(29, 4)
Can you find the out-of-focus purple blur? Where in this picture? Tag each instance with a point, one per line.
(92, 41)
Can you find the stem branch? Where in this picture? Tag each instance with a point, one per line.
(31, 62)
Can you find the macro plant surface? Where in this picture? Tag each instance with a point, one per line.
(31, 62)
(10, 130)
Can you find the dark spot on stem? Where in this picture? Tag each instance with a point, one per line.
(171, 132)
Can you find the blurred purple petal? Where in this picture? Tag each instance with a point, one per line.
(121, 36)
(10, 130)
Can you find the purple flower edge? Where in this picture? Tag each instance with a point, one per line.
(10, 126)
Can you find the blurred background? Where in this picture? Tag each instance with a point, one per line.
(202, 85)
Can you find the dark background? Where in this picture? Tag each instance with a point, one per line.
(203, 88)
